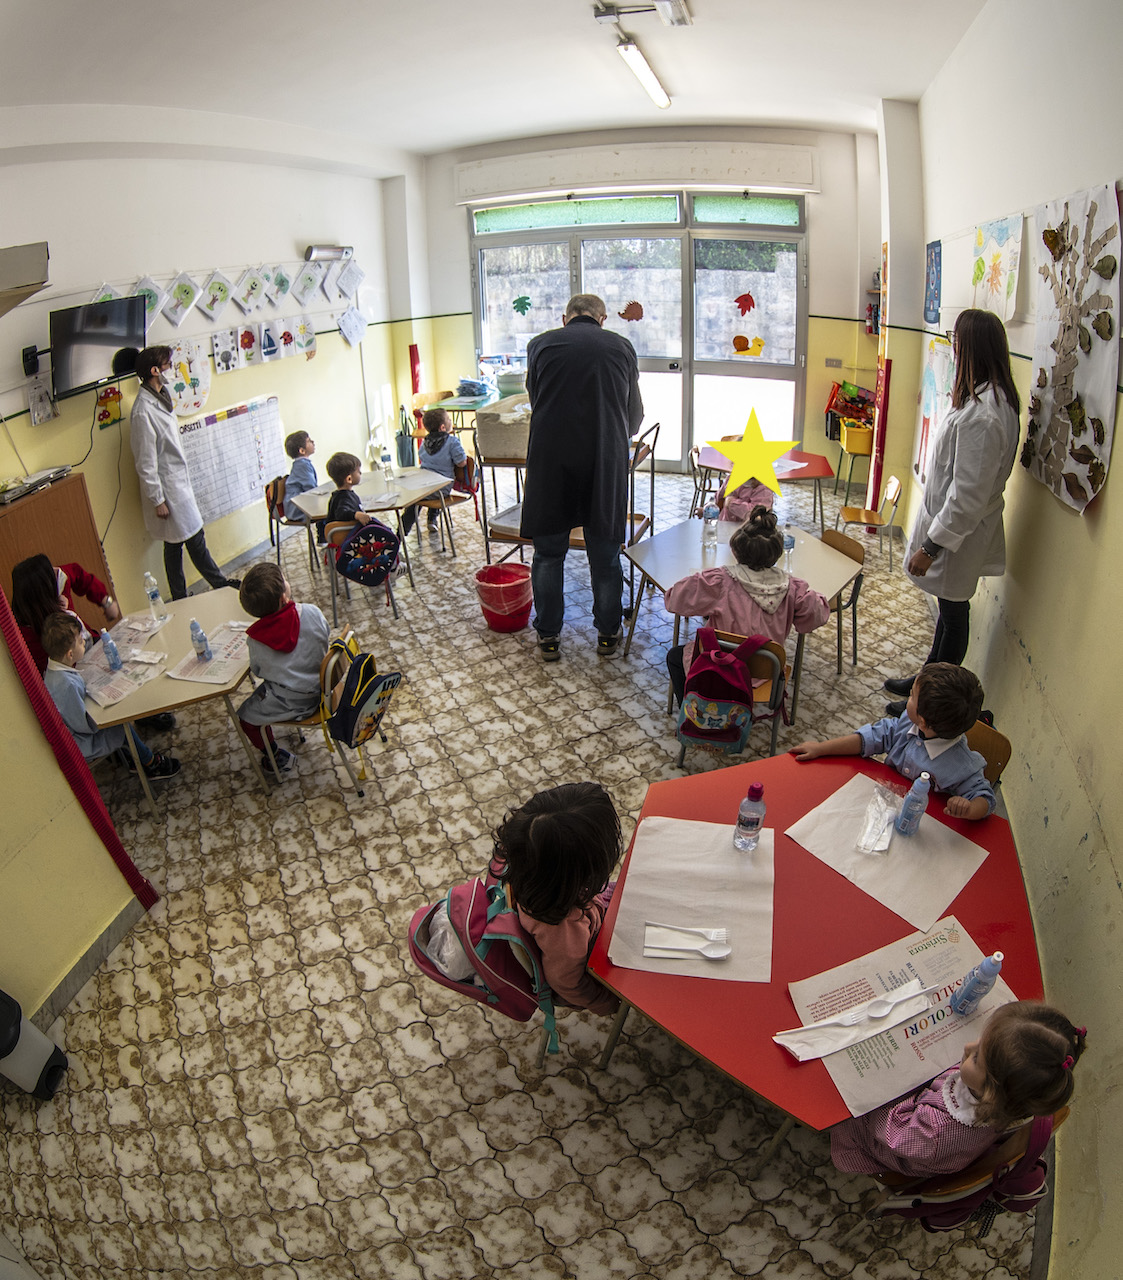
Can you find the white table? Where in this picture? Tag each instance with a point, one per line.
(668, 557)
(163, 693)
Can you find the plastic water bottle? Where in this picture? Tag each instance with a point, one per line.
(908, 820)
(789, 547)
(709, 525)
(387, 463)
(199, 642)
(109, 648)
(965, 999)
(155, 603)
(750, 819)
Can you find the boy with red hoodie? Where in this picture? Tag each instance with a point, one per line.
(287, 645)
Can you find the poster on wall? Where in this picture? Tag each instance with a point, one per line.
(1075, 345)
(994, 265)
(932, 256)
(191, 377)
(935, 402)
(183, 293)
(227, 354)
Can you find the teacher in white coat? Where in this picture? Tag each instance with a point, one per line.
(171, 514)
(958, 536)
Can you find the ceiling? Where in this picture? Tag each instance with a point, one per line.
(432, 75)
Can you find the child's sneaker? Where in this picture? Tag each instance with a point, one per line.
(285, 760)
(161, 766)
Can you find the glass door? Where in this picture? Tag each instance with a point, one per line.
(523, 291)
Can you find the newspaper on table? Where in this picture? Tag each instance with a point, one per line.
(906, 1056)
(107, 687)
(228, 649)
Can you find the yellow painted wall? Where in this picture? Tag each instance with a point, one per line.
(59, 887)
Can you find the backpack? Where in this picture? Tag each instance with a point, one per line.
(368, 554)
(717, 702)
(506, 961)
(364, 698)
(1017, 1185)
(403, 441)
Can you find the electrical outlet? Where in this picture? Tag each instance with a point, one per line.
(833, 364)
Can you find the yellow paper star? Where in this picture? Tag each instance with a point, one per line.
(752, 455)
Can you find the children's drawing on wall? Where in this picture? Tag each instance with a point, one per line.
(215, 295)
(744, 346)
(305, 333)
(105, 293)
(227, 353)
(329, 286)
(279, 286)
(522, 304)
(39, 403)
(267, 336)
(935, 402)
(306, 282)
(286, 336)
(994, 265)
(351, 275)
(1075, 345)
(249, 292)
(183, 293)
(633, 311)
(108, 408)
(933, 254)
(353, 326)
(249, 345)
(745, 303)
(154, 296)
(191, 377)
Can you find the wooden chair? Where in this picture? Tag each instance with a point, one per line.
(704, 482)
(993, 746)
(769, 664)
(336, 533)
(418, 403)
(275, 507)
(855, 550)
(333, 673)
(464, 489)
(876, 519)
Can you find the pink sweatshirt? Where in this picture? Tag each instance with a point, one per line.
(726, 604)
(565, 951)
(738, 505)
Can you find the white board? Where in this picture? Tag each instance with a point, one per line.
(232, 454)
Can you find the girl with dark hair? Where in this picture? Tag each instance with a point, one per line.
(958, 537)
(40, 588)
(750, 598)
(555, 855)
(1020, 1067)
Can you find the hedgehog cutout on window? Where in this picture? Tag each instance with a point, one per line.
(633, 311)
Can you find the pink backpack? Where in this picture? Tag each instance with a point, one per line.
(506, 961)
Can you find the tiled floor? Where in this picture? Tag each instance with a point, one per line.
(261, 1085)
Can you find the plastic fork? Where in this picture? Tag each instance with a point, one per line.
(711, 935)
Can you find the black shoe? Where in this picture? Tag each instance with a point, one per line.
(895, 708)
(162, 722)
(161, 767)
(236, 583)
(902, 687)
(608, 645)
(550, 648)
(285, 760)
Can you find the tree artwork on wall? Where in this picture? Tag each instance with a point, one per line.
(1076, 345)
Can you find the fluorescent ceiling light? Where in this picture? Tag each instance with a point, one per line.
(638, 65)
(674, 13)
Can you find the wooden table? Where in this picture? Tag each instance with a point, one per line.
(668, 557)
(807, 466)
(820, 920)
(163, 693)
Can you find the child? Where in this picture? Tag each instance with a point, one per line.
(344, 504)
(750, 598)
(740, 504)
(1020, 1067)
(928, 737)
(40, 589)
(287, 645)
(441, 452)
(555, 854)
(300, 447)
(64, 640)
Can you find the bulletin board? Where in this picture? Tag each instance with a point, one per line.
(232, 454)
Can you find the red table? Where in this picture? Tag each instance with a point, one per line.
(812, 466)
(820, 920)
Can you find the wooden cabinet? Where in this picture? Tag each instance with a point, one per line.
(58, 522)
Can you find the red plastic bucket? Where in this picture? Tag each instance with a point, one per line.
(505, 595)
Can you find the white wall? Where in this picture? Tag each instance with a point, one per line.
(1030, 107)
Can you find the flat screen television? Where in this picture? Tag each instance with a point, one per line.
(84, 340)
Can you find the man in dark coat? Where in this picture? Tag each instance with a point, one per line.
(583, 384)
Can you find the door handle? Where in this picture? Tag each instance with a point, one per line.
(673, 366)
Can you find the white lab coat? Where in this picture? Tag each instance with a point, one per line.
(162, 468)
(962, 505)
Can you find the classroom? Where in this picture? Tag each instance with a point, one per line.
(260, 1084)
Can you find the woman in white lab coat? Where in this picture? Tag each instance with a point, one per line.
(958, 536)
(171, 514)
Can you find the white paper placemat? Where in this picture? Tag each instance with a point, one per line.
(688, 873)
(918, 878)
(228, 646)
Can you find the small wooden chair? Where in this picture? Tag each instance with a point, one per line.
(855, 550)
(464, 489)
(418, 403)
(877, 519)
(275, 507)
(993, 746)
(336, 534)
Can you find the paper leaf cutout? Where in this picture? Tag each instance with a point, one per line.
(521, 304)
(746, 302)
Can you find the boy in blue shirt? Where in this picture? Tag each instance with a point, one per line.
(928, 737)
(300, 447)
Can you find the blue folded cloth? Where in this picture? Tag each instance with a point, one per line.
(472, 387)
